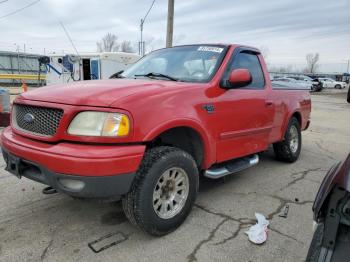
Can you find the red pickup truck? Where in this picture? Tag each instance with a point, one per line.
(146, 137)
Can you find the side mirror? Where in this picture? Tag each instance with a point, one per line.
(240, 77)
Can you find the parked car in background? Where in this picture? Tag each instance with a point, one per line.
(287, 81)
(283, 84)
(315, 84)
(331, 240)
(331, 83)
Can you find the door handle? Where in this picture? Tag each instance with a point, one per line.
(269, 103)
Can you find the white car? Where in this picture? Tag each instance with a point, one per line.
(330, 83)
(288, 81)
(315, 85)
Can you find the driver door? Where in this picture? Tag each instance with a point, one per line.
(246, 113)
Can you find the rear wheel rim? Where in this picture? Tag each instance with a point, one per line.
(170, 193)
(294, 139)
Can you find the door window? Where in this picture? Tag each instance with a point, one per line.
(251, 62)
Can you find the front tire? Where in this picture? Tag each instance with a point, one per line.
(289, 149)
(337, 86)
(163, 192)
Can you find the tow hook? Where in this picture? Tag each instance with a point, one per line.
(49, 190)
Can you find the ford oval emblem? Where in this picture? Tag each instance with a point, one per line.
(28, 118)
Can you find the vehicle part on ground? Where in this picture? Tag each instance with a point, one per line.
(285, 212)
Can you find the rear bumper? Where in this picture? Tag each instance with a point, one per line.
(105, 170)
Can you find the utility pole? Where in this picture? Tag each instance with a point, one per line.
(170, 24)
(18, 64)
(347, 69)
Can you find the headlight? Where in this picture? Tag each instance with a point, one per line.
(93, 123)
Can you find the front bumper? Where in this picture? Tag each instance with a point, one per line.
(105, 170)
(103, 187)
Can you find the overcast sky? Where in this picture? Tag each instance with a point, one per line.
(288, 28)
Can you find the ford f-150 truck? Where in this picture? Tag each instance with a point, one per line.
(147, 136)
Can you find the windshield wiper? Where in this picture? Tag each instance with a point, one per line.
(152, 75)
(117, 75)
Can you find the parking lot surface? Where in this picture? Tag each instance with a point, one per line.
(37, 227)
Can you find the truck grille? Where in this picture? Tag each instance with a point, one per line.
(37, 120)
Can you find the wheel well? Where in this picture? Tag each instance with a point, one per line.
(297, 115)
(184, 138)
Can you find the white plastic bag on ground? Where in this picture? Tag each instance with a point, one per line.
(258, 233)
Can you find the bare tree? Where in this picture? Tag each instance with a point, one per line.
(126, 47)
(311, 60)
(282, 69)
(108, 43)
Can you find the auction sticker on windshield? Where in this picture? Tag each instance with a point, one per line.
(210, 49)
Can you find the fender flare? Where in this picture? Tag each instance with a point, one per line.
(285, 125)
(209, 144)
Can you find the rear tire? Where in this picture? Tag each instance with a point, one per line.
(289, 149)
(159, 202)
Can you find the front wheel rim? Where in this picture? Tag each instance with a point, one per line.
(170, 193)
(294, 139)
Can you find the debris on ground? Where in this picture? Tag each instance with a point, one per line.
(285, 212)
(258, 233)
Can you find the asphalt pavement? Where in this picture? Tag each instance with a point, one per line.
(37, 227)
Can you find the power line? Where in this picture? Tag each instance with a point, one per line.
(148, 11)
(3, 1)
(69, 38)
(20, 9)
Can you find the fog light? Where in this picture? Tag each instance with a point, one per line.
(76, 185)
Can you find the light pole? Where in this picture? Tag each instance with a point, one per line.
(142, 43)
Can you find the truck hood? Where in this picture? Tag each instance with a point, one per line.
(102, 93)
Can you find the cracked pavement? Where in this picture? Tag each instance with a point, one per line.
(37, 227)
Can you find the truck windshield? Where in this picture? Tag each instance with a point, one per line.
(195, 63)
